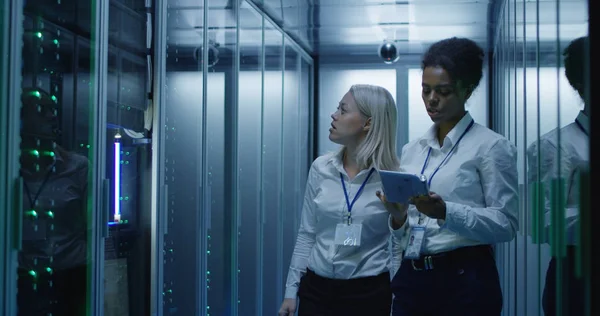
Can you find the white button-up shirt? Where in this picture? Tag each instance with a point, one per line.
(324, 207)
(574, 156)
(478, 182)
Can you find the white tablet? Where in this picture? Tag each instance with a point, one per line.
(399, 187)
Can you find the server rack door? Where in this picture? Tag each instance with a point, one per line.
(58, 115)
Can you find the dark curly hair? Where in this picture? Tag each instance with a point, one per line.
(574, 55)
(462, 58)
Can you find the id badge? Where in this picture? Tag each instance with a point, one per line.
(415, 242)
(348, 235)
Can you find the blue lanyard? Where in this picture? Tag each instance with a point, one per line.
(581, 127)
(357, 193)
(448, 155)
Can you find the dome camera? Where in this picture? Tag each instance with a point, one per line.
(389, 52)
(213, 54)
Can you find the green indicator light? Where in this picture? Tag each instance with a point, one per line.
(36, 94)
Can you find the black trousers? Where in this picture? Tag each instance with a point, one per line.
(369, 296)
(572, 297)
(461, 282)
(63, 293)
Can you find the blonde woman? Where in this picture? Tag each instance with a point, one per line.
(341, 263)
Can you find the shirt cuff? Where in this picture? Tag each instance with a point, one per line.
(291, 292)
(456, 216)
(398, 233)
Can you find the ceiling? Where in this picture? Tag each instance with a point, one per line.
(358, 27)
(331, 27)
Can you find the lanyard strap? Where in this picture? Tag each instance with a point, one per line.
(33, 200)
(581, 127)
(357, 193)
(447, 155)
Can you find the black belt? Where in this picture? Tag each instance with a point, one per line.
(444, 259)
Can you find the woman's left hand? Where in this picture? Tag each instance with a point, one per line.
(431, 205)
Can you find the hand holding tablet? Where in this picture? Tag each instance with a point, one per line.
(401, 187)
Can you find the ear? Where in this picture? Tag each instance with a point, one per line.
(367, 126)
(466, 91)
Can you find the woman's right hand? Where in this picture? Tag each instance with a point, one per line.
(288, 307)
(397, 210)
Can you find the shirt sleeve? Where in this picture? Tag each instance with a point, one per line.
(398, 240)
(547, 178)
(306, 236)
(498, 221)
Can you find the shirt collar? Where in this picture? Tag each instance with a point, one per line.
(337, 160)
(584, 120)
(430, 137)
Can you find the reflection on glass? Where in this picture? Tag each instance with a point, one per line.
(538, 100)
(54, 264)
(556, 162)
(127, 255)
(531, 90)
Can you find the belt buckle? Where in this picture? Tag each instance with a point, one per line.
(427, 262)
(412, 261)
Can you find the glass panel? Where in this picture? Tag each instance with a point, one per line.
(220, 126)
(519, 138)
(306, 101)
(54, 265)
(533, 277)
(183, 158)
(128, 157)
(292, 189)
(510, 133)
(572, 157)
(5, 179)
(250, 228)
(540, 172)
(272, 242)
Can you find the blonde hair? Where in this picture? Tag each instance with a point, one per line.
(379, 146)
